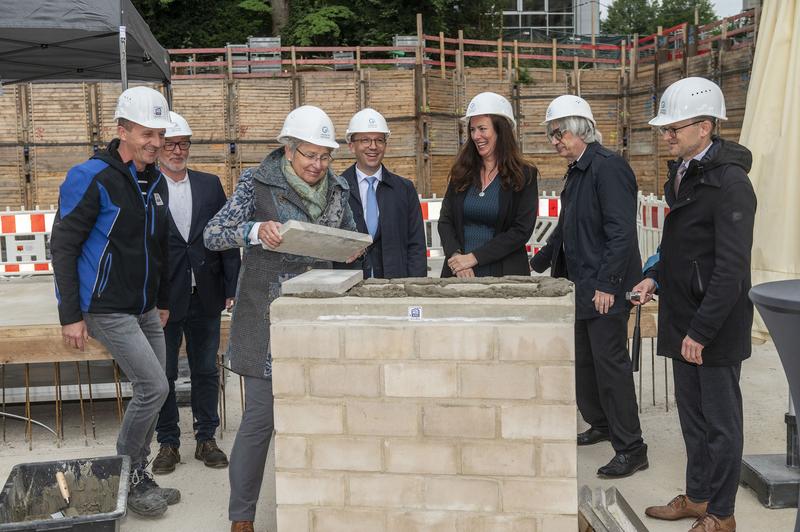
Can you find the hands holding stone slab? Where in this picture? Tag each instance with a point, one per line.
(312, 240)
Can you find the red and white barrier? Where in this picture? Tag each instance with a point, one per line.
(651, 213)
(25, 242)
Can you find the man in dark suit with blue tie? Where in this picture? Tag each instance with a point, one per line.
(203, 282)
(384, 204)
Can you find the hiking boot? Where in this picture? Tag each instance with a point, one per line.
(210, 454)
(166, 460)
(144, 497)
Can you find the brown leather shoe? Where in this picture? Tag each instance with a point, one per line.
(712, 523)
(242, 526)
(680, 507)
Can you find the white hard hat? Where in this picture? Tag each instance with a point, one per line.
(309, 124)
(144, 106)
(367, 121)
(568, 105)
(180, 127)
(490, 103)
(690, 98)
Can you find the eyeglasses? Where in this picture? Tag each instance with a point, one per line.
(184, 145)
(673, 131)
(325, 158)
(367, 142)
(555, 134)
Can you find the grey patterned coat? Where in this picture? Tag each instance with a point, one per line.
(263, 194)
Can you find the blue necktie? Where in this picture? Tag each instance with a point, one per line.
(372, 206)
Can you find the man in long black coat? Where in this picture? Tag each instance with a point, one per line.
(595, 246)
(703, 280)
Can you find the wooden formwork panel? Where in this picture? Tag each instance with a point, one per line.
(477, 80)
(602, 89)
(107, 96)
(644, 167)
(12, 177)
(533, 102)
(443, 135)
(700, 65)
(440, 168)
(49, 166)
(220, 170)
(9, 115)
(203, 103)
(390, 92)
(403, 166)
(336, 93)
(669, 73)
(442, 94)
(641, 141)
(59, 113)
(261, 106)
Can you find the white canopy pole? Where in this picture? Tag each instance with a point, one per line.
(123, 58)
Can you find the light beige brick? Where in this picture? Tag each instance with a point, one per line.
(557, 383)
(498, 381)
(421, 522)
(499, 523)
(458, 421)
(378, 341)
(304, 340)
(386, 491)
(512, 459)
(308, 418)
(339, 380)
(302, 488)
(389, 418)
(555, 422)
(558, 523)
(539, 341)
(455, 341)
(293, 518)
(346, 520)
(465, 494)
(346, 454)
(291, 452)
(558, 460)
(540, 496)
(420, 380)
(432, 457)
(288, 378)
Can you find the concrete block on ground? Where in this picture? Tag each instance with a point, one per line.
(322, 281)
(320, 242)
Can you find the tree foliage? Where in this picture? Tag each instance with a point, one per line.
(626, 17)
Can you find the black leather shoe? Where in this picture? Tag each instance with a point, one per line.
(592, 436)
(625, 464)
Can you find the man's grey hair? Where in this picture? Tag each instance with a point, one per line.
(293, 143)
(577, 125)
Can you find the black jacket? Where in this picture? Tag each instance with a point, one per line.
(215, 272)
(399, 248)
(505, 253)
(704, 269)
(109, 243)
(595, 244)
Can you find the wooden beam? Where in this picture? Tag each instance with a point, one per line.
(499, 58)
(555, 52)
(441, 54)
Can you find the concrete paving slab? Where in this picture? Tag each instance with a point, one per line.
(320, 242)
(327, 281)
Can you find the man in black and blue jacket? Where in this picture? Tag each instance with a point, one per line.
(109, 249)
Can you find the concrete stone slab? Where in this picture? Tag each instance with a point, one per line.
(326, 243)
(325, 281)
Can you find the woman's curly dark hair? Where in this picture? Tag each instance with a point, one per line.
(466, 169)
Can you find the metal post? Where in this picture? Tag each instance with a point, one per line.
(123, 58)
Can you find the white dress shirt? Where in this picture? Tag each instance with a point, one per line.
(180, 206)
(363, 187)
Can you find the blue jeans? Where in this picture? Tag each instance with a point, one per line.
(202, 344)
(136, 342)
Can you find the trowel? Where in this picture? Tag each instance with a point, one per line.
(65, 511)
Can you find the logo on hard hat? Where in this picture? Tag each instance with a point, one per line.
(157, 110)
(663, 107)
(471, 107)
(372, 122)
(325, 132)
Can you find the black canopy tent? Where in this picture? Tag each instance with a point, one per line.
(62, 40)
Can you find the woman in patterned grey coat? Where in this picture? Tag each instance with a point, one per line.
(294, 182)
